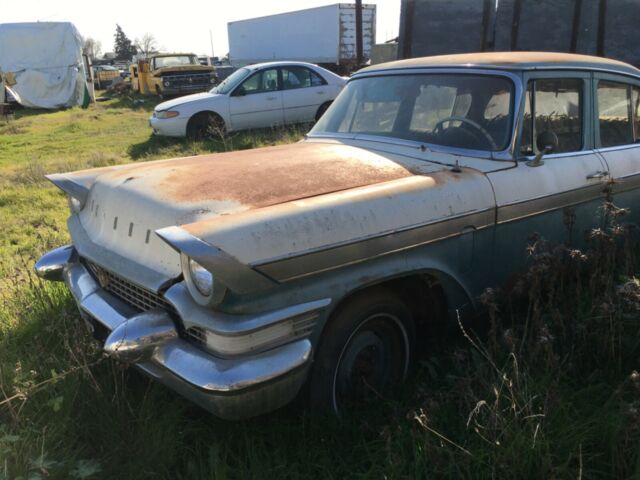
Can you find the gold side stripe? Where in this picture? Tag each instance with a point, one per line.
(314, 262)
(536, 206)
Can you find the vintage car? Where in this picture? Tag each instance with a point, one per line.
(236, 278)
(256, 96)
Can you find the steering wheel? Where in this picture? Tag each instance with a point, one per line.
(487, 135)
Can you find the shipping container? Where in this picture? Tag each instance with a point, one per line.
(606, 28)
(323, 35)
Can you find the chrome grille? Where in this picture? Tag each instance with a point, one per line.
(133, 295)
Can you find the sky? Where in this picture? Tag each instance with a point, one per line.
(185, 27)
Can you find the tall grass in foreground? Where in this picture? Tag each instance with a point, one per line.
(549, 391)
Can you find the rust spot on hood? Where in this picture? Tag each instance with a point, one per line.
(265, 176)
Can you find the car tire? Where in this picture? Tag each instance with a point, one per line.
(323, 108)
(365, 350)
(206, 125)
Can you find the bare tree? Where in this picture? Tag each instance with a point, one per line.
(92, 48)
(147, 44)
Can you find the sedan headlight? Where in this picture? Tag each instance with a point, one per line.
(201, 283)
(167, 114)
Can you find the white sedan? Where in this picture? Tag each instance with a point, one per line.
(256, 96)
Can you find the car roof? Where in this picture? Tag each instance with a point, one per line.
(255, 66)
(510, 60)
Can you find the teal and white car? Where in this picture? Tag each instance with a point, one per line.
(236, 278)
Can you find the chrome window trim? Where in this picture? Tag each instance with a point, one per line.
(506, 154)
(512, 68)
(626, 146)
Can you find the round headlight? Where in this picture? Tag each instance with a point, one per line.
(212, 80)
(166, 84)
(202, 278)
(74, 205)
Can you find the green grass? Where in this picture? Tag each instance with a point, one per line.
(569, 410)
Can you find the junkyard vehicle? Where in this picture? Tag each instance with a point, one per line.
(261, 95)
(169, 74)
(235, 278)
(104, 75)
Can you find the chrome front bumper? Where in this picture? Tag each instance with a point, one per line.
(230, 388)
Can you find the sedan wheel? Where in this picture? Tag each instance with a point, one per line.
(365, 350)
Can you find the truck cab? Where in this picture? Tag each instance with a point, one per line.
(171, 74)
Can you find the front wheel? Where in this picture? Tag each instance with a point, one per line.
(365, 350)
(323, 108)
(206, 125)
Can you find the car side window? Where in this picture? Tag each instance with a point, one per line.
(264, 81)
(300, 77)
(553, 105)
(617, 113)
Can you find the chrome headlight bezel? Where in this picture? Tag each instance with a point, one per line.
(207, 297)
(75, 205)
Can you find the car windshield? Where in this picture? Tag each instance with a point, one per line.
(175, 61)
(456, 110)
(231, 81)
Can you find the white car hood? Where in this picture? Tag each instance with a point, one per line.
(188, 99)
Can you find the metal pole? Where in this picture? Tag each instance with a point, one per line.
(211, 40)
(602, 20)
(359, 53)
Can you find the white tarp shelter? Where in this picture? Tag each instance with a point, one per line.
(41, 64)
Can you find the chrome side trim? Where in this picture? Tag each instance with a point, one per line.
(234, 274)
(51, 265)
(329, 258)
(625, 183)
(67, 185)
(536, 206)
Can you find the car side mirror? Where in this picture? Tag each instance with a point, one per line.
(547, 142)
(240, 92)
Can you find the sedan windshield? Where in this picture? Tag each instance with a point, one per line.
(231, 81)
(455, 110)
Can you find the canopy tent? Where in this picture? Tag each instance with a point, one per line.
(42, 65)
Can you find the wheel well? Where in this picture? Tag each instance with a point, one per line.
(201, 116)
(322, 108)
(422, 293)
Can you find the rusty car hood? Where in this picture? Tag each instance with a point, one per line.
(126, 204)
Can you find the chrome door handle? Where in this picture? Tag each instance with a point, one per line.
(600, 174)
(320, 93)
(272, 98)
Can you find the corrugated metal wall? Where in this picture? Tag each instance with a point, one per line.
(597, 27)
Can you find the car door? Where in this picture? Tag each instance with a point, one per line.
(303, 92)
(559, 196)
(617, 110)
(257, 102)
